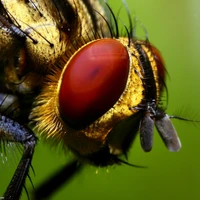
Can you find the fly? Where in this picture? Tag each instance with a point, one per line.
(68, 74)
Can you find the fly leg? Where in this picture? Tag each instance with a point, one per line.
(12, 131)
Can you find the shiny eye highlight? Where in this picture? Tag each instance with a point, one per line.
(92, 81)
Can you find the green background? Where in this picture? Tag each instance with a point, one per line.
(174, 28)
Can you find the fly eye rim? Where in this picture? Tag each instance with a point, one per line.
(78, 109)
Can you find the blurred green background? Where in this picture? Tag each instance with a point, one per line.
(174, 28)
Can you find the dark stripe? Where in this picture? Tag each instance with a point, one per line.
(66, 16)
(148, 76)
(92, 13)
(4, 13)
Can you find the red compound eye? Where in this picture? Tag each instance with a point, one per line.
(93, 81)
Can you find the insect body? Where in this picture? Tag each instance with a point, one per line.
(75, 80)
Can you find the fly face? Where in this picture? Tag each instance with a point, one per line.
(81, 83)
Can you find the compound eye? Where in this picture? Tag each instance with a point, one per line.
(93, 81)
(159, 62)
